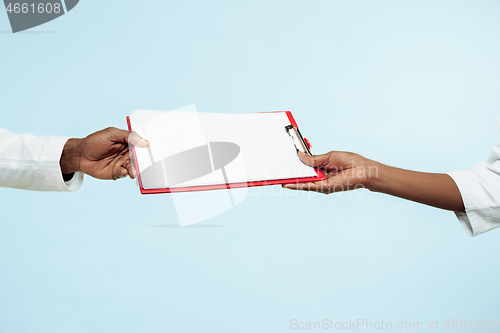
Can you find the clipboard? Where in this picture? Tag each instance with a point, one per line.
(301, 144)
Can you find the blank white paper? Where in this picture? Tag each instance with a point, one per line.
(266, 151)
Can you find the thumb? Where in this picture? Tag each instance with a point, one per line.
(129, 137)
(314, 160)
(136, 140)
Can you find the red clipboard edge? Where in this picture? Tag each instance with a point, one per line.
(319, 172)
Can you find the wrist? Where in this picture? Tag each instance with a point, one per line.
(374, 174)
(70, 157)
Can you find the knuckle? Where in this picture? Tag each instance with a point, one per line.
(353, 158)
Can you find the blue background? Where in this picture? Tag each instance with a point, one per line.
(413, 84)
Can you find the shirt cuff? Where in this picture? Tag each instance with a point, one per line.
(52, 171)
(476, 219)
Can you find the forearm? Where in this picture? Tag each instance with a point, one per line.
(434, 189)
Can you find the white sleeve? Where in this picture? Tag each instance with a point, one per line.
(31, 163)
(480, 190)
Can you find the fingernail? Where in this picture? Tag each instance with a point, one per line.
(145, 142)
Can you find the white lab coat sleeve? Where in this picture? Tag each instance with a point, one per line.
(31, 163)
(480, 190)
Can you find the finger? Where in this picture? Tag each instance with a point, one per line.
(324, 186)
(314, 160)
(134, 167)
(130, 168)
(334, 161)
(120, 172)
(124, 163)
(130, 137)
(301, 186)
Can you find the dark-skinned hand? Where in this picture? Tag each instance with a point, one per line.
(102, 155)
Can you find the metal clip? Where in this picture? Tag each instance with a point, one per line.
(297, 139)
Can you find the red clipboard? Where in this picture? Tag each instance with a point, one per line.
(319, 172)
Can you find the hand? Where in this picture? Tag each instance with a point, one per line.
(103, 155)
(345, 171)
(349, 171)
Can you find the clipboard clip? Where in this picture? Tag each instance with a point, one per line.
(300, 143)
